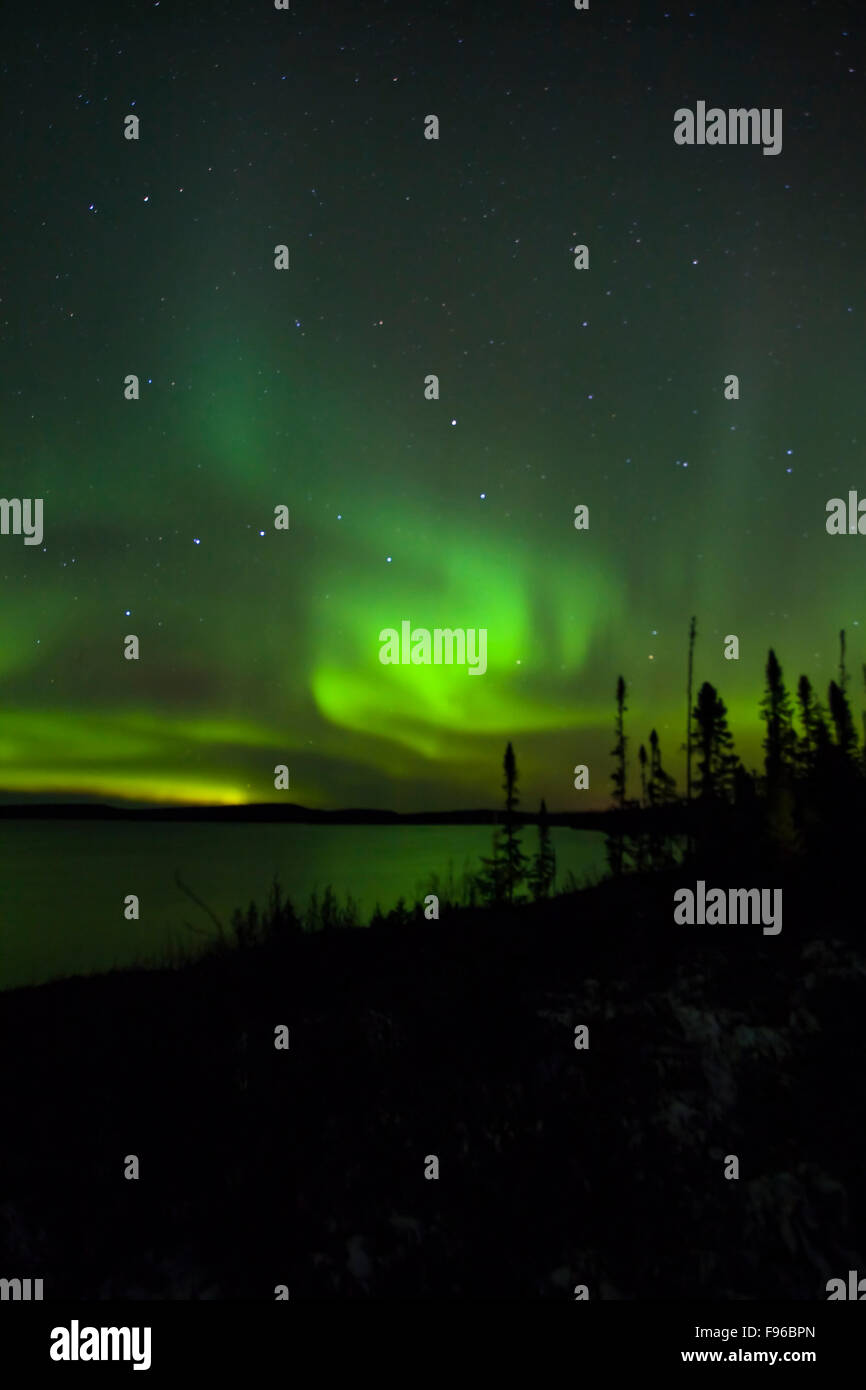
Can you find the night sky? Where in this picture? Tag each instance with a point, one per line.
(305, 387)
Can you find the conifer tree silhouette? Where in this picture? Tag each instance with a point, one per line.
(815, 733)
(693, 631)
(662, 787)
(777, 713)
(843, 724)
(615, 844)
(780, 748)
(661, 791)
(506, 870)
(714, 745)
(543, 872)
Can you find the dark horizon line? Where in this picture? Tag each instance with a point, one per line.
(268, 811)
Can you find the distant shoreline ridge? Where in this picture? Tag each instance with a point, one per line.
(274, 812)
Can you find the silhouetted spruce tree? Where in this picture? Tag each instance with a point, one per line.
(843, 670)
(815, 733)
(615, 843)
(641, 841)
(503, 874)
(661, 791)
(662, 787)
(515, 860)
(490, 881)
(330, 912)
(846, 733)
(780, 746)
(834, 810)
(543, 872)
(843, 724)
(777, 713)
(693, 631)
(822, 769)
(690, 841)
(714, 746)
(280, 922)
(246, 926)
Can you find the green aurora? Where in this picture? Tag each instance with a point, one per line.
(306, 388)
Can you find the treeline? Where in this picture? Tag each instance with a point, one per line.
(807, 802)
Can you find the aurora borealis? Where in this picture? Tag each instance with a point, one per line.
(306, 388)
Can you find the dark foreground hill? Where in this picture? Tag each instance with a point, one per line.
(603, 1166)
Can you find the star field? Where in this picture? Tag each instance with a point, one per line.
(412, 257)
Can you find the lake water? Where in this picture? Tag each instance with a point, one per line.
(62, 883)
